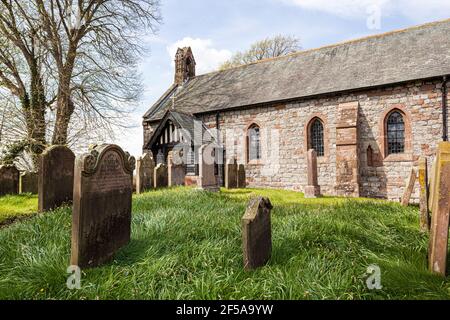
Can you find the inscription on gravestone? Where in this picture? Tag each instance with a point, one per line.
(9, 180)
(257, 233)
(55, 181)
(101, 222)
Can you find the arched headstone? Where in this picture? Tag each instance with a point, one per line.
(160, 176)
(144, 173)
(103, 188)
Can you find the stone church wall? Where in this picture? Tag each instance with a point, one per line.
(287, 124)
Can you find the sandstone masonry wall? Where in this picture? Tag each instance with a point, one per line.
(386, 178)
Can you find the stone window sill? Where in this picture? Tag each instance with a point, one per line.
(399, 157)
(255, 162)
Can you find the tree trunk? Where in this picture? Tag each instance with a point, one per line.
(65, 108)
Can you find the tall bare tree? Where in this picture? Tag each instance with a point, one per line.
(73, 59)
(268, 48)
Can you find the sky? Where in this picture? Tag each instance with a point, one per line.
(215, 29)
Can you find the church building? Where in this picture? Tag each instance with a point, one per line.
(369, 108)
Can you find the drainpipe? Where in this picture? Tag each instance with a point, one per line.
(218, 127)
(444, 110)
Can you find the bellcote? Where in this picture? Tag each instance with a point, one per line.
(184, 65)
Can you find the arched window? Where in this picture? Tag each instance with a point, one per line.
(253, 143)
(395, 132)
(316, 137)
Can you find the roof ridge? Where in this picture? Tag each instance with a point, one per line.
(334, 45)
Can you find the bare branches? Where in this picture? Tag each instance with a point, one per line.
(267, 48)
(70, 66)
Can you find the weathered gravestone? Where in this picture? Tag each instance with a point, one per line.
(29, 182)
(101, 221)
(160, 177)
(312, 190)
(144, 173)
(55, 181)
(9, 180)
(231, 174)
(423, 182)
(176, 169)
(207, 178)
(409, 188)
(241, 181)
(438, 248)
(257, 233)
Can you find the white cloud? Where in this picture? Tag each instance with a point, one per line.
(207, 57)
(418, 10)
(423, 10)
(343, 8)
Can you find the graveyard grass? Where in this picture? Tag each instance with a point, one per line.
(186, 244)
(17, 206)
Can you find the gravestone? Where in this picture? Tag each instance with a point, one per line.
(257, 233)
(55, 181)
(176, 169)
(160, 177)
(231, 174)
(144, 173)
(207, 179)
(409, 188)
(423, 182)
(9, 180)
(312, 190)
(241, 181)
(29, 182)
(438, 248)
(101, 221)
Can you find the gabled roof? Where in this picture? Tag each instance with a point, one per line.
(420, 52)
(184, 121)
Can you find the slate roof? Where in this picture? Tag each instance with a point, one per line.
(420, 52)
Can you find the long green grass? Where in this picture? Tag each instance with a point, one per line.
(186, 244)
(17, 206)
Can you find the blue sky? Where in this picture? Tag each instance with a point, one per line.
(217, 29)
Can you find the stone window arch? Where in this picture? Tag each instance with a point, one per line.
(316, 136)
(395, 132)
(253, 143)
(396, 137)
